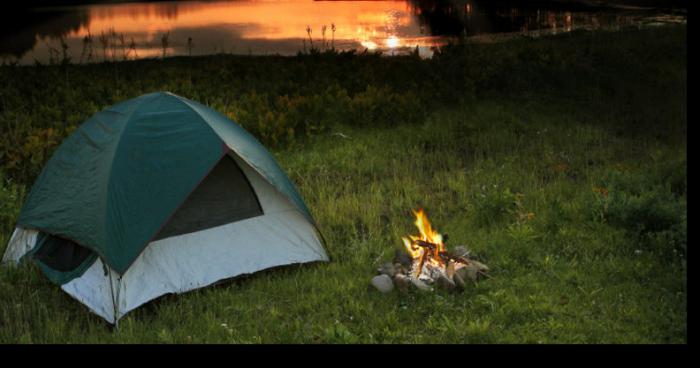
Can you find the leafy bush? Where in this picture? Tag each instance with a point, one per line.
(24, 158)
(650, 211)
(644, 206)
(385, 108)
(284, 119)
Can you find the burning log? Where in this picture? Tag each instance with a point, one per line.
(446, 256)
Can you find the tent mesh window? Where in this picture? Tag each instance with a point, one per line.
(61, 254)
(223, 197)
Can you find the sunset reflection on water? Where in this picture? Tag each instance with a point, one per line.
(256, 27)
(280, 27)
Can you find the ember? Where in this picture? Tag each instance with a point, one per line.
(428, 262)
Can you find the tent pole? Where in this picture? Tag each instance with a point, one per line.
(116, 313)
(114, 302)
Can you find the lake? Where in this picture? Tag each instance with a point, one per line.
(117, 31)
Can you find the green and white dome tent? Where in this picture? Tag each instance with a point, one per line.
(157, 195)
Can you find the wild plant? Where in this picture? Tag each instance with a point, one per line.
(165, 42)
(87, 48)
(104, 42)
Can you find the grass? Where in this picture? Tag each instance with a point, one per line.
(561, 162)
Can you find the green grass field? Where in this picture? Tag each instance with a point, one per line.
(560, 162)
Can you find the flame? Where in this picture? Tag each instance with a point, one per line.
(427, 234)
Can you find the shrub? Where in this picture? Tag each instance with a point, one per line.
(25, 154)
(286, 118)
(649, 211)
(385, 108)
(644, 207)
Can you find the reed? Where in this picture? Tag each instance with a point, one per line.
(105, 43)
(165, 43)
(86, 53)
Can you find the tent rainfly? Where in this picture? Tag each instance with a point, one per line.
(157, 195)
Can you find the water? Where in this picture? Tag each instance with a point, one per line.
(143, 29)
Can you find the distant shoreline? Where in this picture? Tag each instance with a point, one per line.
(587, 3)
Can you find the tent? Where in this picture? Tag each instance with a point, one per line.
(157, 195)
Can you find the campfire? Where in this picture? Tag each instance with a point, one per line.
(427, 262)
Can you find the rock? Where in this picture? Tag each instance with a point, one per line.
(404, 259)
(467, 272)
(383, 283)
(420, 285)
(402, 282)
(472, 271)
(387, 269)
(460, 251)
(482, 267)
(445, 283)
(400, 268)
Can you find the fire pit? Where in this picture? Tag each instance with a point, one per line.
(426, 262)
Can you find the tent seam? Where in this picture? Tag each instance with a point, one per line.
(106, 189)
